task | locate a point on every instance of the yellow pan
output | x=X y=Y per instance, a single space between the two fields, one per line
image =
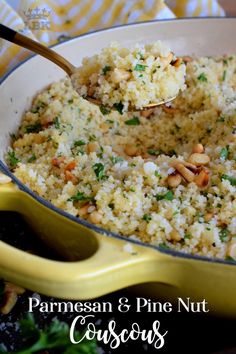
x=101 y=262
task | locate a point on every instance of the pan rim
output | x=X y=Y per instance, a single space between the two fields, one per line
x=99 y=230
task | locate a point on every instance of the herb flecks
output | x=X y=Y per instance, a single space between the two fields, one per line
x=56 y=122
x=232 y=180
x=33 y=128
x=99 y=170
x=119 y=107
x=79 y=143
x=105 y=69
x=223 y=234
x=154 y=152
x=80 y=197
x=104 y=110
x=140 y=67
x=32 y=158
x=202 y=77
x=133 y=121
x=147 y=217
x=13 y=159
x=167 y=196
x=224 y=153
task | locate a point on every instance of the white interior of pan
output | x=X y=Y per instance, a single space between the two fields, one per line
x=185 y=37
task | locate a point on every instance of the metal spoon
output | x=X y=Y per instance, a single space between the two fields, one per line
x=25 y=42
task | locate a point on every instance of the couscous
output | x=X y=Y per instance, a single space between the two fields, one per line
x=166 y=176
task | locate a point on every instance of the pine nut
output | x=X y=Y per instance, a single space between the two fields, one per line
x=83 y=210
x=119 y=75
x=175 y=236
x=10 y=299
x=57 y=161
x=91 y=91
x=47 y=119
x=168 y=109
x=131 y=150
x=208 y=216
x=70 y=166
x=199 y=159
x=177 y=63
x=166 y=60
x=199 y=149
x=174 y=180
x=92 y=147
x=95 y=217
x=14 y=288
x=4 y=179
x=202 y=179
x=185 y=172
x=190 y=166
x=147 y=112
x=70 y=177
x=104 y=127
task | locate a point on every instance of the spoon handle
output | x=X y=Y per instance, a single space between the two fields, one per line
x=23 y=41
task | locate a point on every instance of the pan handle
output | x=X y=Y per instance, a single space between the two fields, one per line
x=115 y=264
x=109 y=269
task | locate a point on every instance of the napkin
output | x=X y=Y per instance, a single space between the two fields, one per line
x=51 y=21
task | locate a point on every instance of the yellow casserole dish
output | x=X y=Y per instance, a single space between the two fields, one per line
x=100 y=261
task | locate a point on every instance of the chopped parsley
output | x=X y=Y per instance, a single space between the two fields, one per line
x=38 y=106
x=167 y=196
x=187 y=236
x=223 y=234
x=221 y=119
x=147 y=217
x=56 y=122
x=157 y=174
x=79 y=197
x=164 y=246
x=155 y=152
x=116 y=159
x=33 y=128
x=140 y=67
x=141 y=56
x=119 y=107
x=105 y=69
x=13 y=137
x=224 y=153
x=13 y=159
x=232 y=180
x=224 y=75
x=79 y=143
x=99 y=170
x=32 y=158
x=54 y=337
x=104 y=110
x=133 y=121
x=202 y=77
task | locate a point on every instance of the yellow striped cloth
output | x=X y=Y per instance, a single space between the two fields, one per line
x=50 y=21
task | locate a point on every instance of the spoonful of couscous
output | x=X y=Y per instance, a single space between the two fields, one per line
x=131 y=79
x=118 y=78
